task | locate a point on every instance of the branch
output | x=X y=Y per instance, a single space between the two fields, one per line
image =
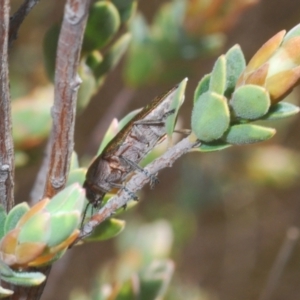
x=17 y=19
x=67 y=83
x=6 y=142
x=138 y=181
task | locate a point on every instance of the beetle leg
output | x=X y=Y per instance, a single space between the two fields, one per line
x=153 y=179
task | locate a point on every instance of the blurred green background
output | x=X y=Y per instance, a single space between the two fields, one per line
x=229 y=211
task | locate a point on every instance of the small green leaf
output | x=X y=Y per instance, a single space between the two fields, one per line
x=210 y=116
x=248 y=134
x=5 y=269
x=61 y=226
x=15 y=215
x=250 y=102
x=5 y=292
x=202 y=87
x=106 y=230
x=214 y=146
x=103 y=23
x=93 y=59
x=281 y=110
x=178 y=99
x=235 y=64
x=35 y=229
x=112 y=56
x=217 y=81
x=294 y=32
x=76 y=176
x=115 y=127
x=3 y=217
x=31 y=119
x=67 y=200
x=25 y=278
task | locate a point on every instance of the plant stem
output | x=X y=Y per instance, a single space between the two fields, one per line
x=6 y=141
x=18 y=18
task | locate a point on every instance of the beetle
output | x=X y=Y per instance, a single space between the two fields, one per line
x=124 y=152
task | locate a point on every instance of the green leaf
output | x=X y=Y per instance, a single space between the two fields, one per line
x=281 y=110
x=25 y=278
x=103 y=23
x=112 y=56
x=61 y=226
x=178 y=98
x=155 y=279
x=214 y=146
x=35 y=229
x=250 y=102
x=5 y=269
x=114 y=127
x=106 y=230
x=76 y=176
x=93 y=59
x=3 y=217
x=15 y=215
x=235 y=65
x=32 y=120
x=202 y=87
x=5 y=292
x=294 y=32
x=248 y=134
x=210 y=117
x=67 y=200
x=217 y=81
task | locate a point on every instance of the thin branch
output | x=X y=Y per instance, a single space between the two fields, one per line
x=6 y=142
x=18 y=18
x=67 y=83
x=138 y=181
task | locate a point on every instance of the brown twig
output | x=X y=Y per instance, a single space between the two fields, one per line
x=19 y=16
x=66 y=86
x=6 y=142
x=63 y=112
x=138 y=181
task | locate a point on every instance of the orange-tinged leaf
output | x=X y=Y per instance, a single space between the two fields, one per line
x=291 y=47
x=35 y=209
x=282 y=83
x=258 y=77
x=9 y=242
x=42 y=260
x=265 y=52
x=26 y=252
x=66 y=243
